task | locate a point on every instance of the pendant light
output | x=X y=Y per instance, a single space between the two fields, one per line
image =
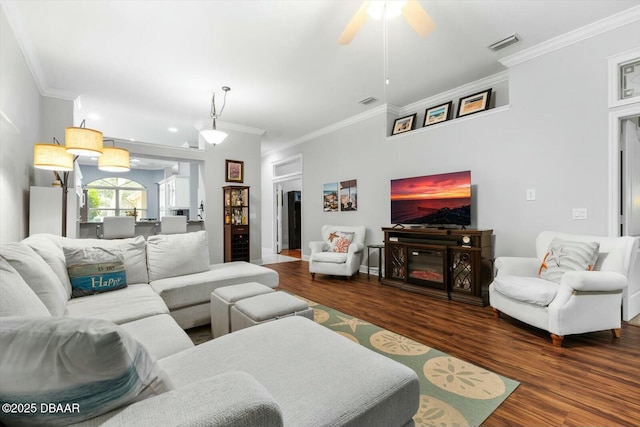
x=214 y=136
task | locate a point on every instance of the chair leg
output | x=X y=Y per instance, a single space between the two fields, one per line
x=616 y=332
x=496 y=312
x=313 y=276
x=556 y=340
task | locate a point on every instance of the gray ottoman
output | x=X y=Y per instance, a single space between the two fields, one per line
x=267 y=307
x=222 y=299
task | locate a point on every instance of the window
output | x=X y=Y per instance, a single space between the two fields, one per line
x=115 y=197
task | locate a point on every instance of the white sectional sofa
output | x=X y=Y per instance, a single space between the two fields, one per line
x=122 y=358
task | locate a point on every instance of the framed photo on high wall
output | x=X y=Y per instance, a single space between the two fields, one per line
x=474 y=103
x=404 y=124
x=235 y=170
x=438 y=114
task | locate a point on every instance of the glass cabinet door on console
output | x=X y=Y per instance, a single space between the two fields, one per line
x=236 y=223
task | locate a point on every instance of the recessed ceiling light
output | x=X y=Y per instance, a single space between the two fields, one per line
x=93 y=116
x=135 y=160
x=132 y=139
x=173 y=129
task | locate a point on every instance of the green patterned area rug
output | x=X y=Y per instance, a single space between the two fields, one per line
x=453 y=392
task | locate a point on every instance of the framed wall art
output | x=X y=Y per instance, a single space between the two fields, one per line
x=474 y=103
x=235 y=170
x=330 y=197
x=438 y=114
x=348 y=195
x=404 y=124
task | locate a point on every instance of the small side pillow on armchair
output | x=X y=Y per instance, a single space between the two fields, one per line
x=339 y=241
x=563 y=256
x=94 y=270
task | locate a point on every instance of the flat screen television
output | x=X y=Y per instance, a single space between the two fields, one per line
x=432 y=200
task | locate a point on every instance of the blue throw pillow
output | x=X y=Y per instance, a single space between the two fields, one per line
x=94 y=270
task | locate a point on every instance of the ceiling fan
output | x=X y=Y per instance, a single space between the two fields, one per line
x=411 y=10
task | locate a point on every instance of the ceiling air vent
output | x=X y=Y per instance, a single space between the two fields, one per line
x=368 y=100
x=507 y=41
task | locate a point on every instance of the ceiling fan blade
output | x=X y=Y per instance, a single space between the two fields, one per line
x=419 y=20
x=354 y=25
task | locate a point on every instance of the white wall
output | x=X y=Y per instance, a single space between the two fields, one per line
x=19 y=130
x=552 y=138
x=238 y=146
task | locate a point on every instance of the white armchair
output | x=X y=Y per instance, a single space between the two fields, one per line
x=326 y=257
x=583 y=301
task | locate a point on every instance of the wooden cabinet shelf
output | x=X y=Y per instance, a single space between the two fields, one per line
x=236 y=223
x=442 y=263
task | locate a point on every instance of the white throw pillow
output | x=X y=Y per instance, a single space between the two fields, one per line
x=339 y=241
x=16 y=297
x=49 y=247
x=171 y=255
x=38 y=275
x=563 y=256
x=89 y=366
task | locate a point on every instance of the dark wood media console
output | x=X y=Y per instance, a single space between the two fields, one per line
x=443 y=263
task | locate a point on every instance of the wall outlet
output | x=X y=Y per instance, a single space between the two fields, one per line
x=579 y=213
x=531 y=194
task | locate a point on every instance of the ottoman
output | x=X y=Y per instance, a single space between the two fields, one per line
x=222 y=299
x=267 y=307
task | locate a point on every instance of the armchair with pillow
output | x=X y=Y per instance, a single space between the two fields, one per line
x=340 y=251
x=573 y=286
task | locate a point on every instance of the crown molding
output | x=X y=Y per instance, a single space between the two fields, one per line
x=60 y=94
x=26 y=45
x=455 y=93
x=607 y=24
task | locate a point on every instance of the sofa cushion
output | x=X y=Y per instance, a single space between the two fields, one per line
x=339 y=241
x=364 y=388
x=160 y=335
x=134 y=251
x=89 y=364
x=532 y=290
x=125 y=305
x=174 y=255
x=196 y=288
x=94 y=270
x=16 y=297
x=49 y=247
x=332 y=257
x=563 y=256
x=38 y=275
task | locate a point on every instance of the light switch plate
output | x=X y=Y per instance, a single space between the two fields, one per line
x=579 y=213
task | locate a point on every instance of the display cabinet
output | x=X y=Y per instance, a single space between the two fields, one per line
x=236 y=223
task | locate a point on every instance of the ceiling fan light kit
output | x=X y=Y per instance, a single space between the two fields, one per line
x=411 y=10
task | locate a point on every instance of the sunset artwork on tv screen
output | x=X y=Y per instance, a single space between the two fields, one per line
x=443 y=199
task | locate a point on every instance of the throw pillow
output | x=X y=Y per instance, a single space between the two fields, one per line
x=89 y=366
x=38 y=275
x=95 y=270
x=563 y=256
x=339 y=241
x=171 y=255
x=134 y=252
x=16 y=297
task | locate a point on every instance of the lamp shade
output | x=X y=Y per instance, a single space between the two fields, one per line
x=114 y=160
x=83 y=142
x=213 y=136
x=52 y=157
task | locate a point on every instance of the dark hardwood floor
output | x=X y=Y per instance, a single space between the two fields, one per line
x=593 y=380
